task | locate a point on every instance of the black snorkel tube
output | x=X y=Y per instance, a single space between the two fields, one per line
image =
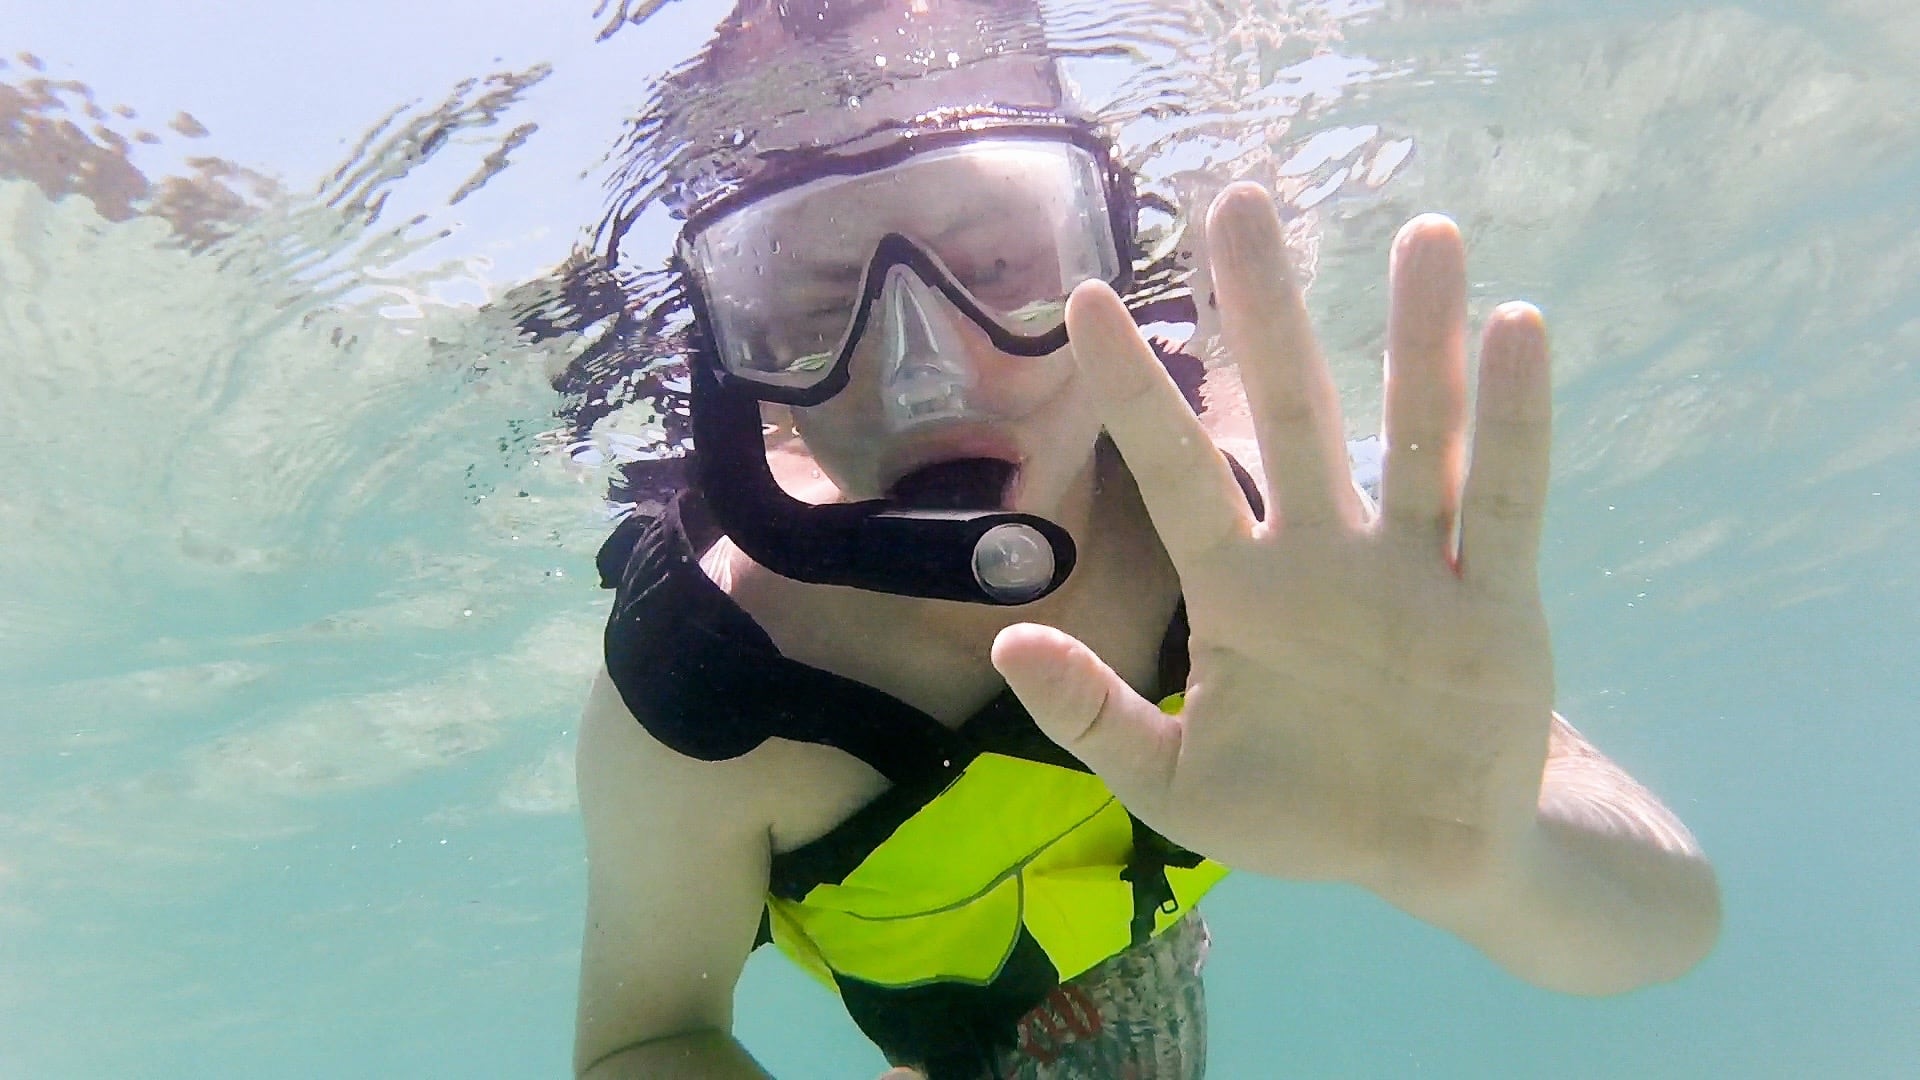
x=975 y=556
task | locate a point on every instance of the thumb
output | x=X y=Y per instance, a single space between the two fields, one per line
x=1080 y=703
x=901 y=1072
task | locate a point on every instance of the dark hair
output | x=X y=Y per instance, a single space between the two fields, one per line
x=745 y=34
x=780 y=75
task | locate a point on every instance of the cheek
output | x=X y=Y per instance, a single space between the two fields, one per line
x=843 y=438
x=1019 y=386
x=1069 y=421
x=1037 y=377
x=1055 y=386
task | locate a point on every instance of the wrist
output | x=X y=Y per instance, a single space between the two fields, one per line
x=1476 y=893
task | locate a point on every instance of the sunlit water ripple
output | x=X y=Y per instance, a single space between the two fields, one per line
x=296 y=606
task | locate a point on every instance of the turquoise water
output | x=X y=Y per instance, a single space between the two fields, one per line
x=296 y=607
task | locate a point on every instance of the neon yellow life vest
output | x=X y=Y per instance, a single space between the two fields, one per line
x=1010 y=844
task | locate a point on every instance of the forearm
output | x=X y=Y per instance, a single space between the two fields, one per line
x=1607 y=892
x=699 y=1055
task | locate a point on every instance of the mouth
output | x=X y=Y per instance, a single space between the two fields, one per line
x=974 y=483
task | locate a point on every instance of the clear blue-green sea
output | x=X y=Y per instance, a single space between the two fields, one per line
x=297 y=603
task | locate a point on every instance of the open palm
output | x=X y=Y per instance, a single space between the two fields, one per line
x=1370 y=694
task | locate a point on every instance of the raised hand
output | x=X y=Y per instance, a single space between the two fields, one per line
x=1371 y=695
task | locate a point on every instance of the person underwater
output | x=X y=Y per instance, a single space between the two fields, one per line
x=967 y=661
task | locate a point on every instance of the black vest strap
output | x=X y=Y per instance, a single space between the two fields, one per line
x=708 y=682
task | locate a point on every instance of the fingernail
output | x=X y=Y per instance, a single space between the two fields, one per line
x=1416 y=241
x=1518 y=313
x=1232 y=218
x=1220 y=230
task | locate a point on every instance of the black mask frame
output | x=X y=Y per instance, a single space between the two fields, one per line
x=897 y=249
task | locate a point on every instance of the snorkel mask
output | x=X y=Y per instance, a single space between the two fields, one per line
x=789 y=279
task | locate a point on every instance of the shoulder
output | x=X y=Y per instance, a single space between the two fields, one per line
x=621 y=768
x=784 y=792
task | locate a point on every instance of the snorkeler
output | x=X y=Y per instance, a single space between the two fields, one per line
x=967 y=662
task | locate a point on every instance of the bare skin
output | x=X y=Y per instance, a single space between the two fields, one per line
x=1368 y=704
x=1370 y=701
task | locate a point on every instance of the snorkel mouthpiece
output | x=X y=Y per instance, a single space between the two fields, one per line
x=976 y=556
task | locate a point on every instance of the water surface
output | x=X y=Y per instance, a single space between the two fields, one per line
x=296 y=607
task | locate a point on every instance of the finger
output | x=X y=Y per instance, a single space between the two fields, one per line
x=1189 y=489
x=1080 y=703
x=1506 y=492
x=1264 y=322
x=1426 y=385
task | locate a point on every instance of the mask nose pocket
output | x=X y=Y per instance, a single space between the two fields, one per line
x=926 y=374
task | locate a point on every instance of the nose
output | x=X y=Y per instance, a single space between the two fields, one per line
x=927 y=372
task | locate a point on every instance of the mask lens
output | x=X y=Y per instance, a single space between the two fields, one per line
x=1014 y=224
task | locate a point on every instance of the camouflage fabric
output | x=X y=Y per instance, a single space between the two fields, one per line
x=1139 y=1016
